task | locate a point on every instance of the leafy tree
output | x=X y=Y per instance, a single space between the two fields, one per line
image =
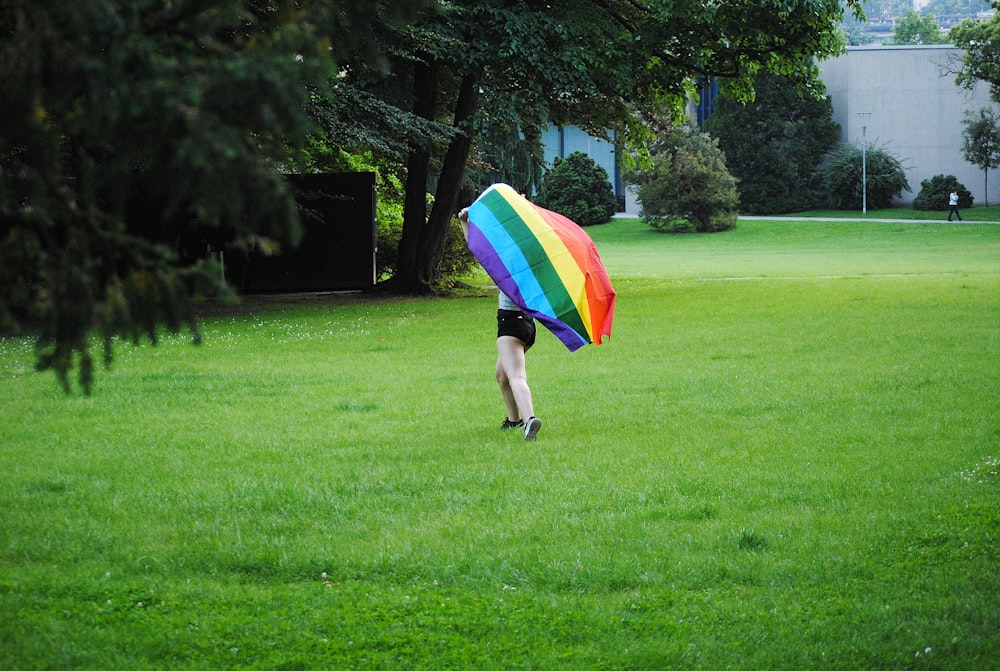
x=775 y=143
x=884 y=180
x=600 y=65
x=955 y=7
x=980 y=45
x=135 y=134
x=687 y=187
x=885 y=9
x=936 y=191
x=578 y=188
x=981 y=142
x=916 y=29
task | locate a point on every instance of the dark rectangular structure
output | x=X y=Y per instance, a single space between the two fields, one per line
x=339 y=240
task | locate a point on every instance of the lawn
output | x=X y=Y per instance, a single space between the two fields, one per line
x=786 y=457
x=989 y=213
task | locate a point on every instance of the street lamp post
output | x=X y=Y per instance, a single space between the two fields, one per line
x=863 y=117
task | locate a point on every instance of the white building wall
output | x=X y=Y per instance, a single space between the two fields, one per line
x=916 y=110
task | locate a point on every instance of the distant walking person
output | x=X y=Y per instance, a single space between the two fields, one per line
x=953 y=206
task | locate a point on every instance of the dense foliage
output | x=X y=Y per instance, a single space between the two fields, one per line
x=688 y=187
x=914 y=28
x=775 y=143
x=980 y=45
x=876 y=176
x=135 y=136
x=936 y=191
x=495 y=68
x=942 y=8
x=578 y=188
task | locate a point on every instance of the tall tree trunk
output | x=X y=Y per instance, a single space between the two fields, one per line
x=435 y=238
x=424 y=238
x=425 y=86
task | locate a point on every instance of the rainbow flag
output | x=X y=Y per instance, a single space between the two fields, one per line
x=545 y=263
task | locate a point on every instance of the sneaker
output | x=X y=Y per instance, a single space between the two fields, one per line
x=531 y=428
x=508 y=424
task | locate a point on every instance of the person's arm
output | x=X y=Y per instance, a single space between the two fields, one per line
x=463 y=216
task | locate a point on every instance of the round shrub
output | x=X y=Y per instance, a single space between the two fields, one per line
x=578 y=188
x=883 y=174
x=935 y=192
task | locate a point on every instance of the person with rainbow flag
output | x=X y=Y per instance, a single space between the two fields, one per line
x=515 y=336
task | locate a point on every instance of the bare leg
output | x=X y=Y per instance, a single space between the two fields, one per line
x=513 y=378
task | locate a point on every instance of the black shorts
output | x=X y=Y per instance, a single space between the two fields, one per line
x=517 y=324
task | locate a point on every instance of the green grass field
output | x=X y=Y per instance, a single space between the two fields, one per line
x=980 y=213
x=786 y=458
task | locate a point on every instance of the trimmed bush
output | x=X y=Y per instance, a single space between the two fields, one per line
x=935 y=192
x=578 y=188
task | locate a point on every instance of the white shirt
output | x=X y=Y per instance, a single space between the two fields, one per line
x=507 y=304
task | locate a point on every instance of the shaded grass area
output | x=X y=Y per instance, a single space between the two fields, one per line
x=795 y=470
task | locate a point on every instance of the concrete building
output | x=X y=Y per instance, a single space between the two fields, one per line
x=905 y=100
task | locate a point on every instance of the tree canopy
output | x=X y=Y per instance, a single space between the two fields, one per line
x=599 y=64
x=980 y=42
x=914 y=28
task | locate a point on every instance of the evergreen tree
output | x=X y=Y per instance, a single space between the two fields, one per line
x=136 y=135
x=687 y=186
x=775 y=143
